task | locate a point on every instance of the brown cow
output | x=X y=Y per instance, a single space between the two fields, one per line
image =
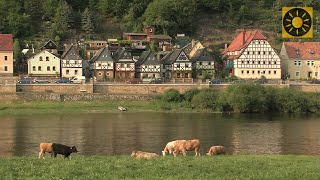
x=182 y=146
x=45 y=147
x=169 y=148
x=216 y=150
x=141 y=154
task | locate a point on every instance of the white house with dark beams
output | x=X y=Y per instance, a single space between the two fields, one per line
x=71 y=63
x=102 y=64
x=148 y=66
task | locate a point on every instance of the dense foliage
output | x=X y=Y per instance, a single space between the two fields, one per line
x=248 y=98
x=57 y=18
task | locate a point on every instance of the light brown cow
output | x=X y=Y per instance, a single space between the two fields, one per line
x=182 y=146
x=169 y=148
x=216 y=150
x=45 y=147
x=141 y=154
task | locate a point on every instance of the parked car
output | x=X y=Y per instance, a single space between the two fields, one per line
x=63 y=81
x=315 y=81
x=260 y=81
x=78 y=80
x=155 y=81
x=26 y=81
x=134 y=81
x=215 y=81
x=238 y=81
x=40 y=80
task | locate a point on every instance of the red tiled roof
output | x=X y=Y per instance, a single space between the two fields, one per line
x=303 y=50
x=243 y=40
x=6 y=42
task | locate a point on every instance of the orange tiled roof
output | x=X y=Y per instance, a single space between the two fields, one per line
x=243 y=40
x=6 y=42
x=302 y=50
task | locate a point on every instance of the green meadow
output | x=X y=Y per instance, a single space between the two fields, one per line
x=124 y=167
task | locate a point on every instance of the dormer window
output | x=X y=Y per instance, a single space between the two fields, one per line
x=311 y=51
x=150 y=30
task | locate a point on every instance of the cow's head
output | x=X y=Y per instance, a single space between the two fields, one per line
x=134 y=154
x=74 y=149
x=164 y=153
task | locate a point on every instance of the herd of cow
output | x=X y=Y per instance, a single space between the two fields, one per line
x=173 y=148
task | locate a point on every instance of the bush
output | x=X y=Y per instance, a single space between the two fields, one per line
x=205 y=99
x=172 y=95
x=190 y=94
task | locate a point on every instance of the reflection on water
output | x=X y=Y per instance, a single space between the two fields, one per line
x=120 y=133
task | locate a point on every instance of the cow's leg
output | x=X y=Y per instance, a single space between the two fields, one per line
x=184 y=152
x=40 y=154
x=54 y=154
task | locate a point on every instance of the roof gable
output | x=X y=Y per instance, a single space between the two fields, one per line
x=102 y=55
x=175 y=55
x=243 y=40
x=202 y=55
x=71 y=53
x=123 y=55
x=302 y=50
x=49 y=45
x=147 y=58
x=6 y=42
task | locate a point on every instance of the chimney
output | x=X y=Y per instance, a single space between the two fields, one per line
x=193 y=42
x=32 y=49
x=225 y=47
x=164 y=48
x=244 y=36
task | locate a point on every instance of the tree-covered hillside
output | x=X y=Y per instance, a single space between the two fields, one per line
x=208 y=20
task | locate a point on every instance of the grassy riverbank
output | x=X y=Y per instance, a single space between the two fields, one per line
x=124 y=167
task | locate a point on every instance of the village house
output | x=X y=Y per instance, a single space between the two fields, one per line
x=251 y=56
x=92 y=47
x=300 y=60
x=176 y=65
x=6 y=54
x=102 y=65
x=148 y=66
x=71 y=63
x=124 y=64
x=50 y=46
x=44 y=63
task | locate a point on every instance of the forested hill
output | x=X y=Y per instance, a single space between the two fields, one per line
x=207 y=20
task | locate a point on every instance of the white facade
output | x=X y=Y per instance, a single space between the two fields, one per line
x=71 y=68
x=44 y=64
x=256 y=60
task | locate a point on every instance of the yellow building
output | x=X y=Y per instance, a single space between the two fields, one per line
x=301 y=60
x=44 y=64
x=6 y=54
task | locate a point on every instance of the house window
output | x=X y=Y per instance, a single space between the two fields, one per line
x=39 y=68
x=209 y=63
x=297 y=74
x=316 y=74
x=154 y=67
x=275 y=62
x=186 y=75
x=258 y=62
x=48 y=68
x=187 y=65
x=248 y=72
x=248 y=62
x=53 y=68
x=178 y=65
x=33 y=68
x=263 y=72
x=178 y=75
x=128 y=74
x=122 y=65
x=153 y=75
x=47 y=58
x=146 y=75
x=75 y=71
x=242 y=62
x=5 y=68
x=109 y=64
x=252 y=62
x=99 y=65
x=75 y=62
x=274 y=72
x=67 y=71
x=200 y=63
x=242 y=72
x=308 y=63
x=5 y=58
x=252 y=72
x=299 y=63
x=312 y=63
x=40 y=58
x=258 y=72
x=108 y=74
x=269 y=72
x=100 y=74
x=295 y=63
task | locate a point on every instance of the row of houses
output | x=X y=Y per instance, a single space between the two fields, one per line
x=248 y=56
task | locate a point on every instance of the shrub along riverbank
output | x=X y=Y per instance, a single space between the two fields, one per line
x=190 y=167
x=245 y=98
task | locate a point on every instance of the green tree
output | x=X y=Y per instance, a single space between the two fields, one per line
x=86 y=21
x=17 y=50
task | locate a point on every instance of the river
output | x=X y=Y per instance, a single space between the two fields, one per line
x=121 y=132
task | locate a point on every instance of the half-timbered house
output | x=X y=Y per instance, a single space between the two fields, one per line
x=203 y=64
x=176 y=65
x=71 y=63
x=251 y=56
x=148 y=66
x=124 y=64
x=102 y=65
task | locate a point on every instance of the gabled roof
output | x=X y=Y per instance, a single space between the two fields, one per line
x=6 y=42
x=102 y=55
x=202 y=55
x=303 y=50
x=122 y=55
x=147 y=58
x=172 y=56
x=243 y=40
x=49 y=45
x=187 y=48
x=71 y=53
x=160 y=36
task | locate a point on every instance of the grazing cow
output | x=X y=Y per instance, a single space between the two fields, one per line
x=62 y=149
x=141 y=154
x=45 y=147
x=169 y=148
x=216 y=150
x=183 y=146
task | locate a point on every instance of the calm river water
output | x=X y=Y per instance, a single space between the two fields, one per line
x=122 y=132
